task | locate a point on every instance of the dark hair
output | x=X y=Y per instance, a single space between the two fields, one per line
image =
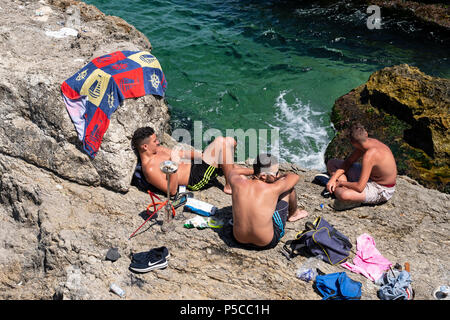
x=140 y=135
x=263 y=161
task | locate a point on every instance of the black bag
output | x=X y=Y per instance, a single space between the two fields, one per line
x=320 y=239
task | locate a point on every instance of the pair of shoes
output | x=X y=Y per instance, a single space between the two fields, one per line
x=150 y=260
x=321 y=179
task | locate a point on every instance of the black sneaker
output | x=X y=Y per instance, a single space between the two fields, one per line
x=143 y=256
x=321 y=179
x=153 y=260
x=327 y=194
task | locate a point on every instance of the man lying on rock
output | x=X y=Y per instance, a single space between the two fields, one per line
x=196 y=170
x=372 y=181
x=262 y=201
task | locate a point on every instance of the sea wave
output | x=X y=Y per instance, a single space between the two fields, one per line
x=303 y=132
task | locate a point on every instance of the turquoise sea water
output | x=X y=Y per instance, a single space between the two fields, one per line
x=273 y=65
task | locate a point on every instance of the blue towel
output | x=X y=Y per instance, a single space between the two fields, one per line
x=338 y=286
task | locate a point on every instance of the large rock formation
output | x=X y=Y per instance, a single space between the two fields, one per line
x=60 y=212
x=410 y=112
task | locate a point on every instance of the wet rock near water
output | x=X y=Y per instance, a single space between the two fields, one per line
x=434 y=13
x=61 y=212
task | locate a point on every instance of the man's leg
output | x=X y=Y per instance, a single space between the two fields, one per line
x=220 y=154
x=348 y=199
x=346 y=194
x=294 y=212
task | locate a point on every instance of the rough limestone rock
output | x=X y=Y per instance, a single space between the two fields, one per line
x=57 y=234
x=59 y=219
x=410 y=112
x=34 y=123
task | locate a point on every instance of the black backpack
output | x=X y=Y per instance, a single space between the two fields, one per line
x=319 y=239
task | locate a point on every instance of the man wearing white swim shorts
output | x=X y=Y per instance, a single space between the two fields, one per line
x=372 y=181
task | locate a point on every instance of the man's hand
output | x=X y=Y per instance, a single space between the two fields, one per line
x=332 y=185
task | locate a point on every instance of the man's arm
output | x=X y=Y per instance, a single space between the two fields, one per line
x=354 y=156
x=241 y=171
x=191 y=154
x=236 y=172
x=367 y=165
x=157 y=178
x=286 y=183
x=177 y=154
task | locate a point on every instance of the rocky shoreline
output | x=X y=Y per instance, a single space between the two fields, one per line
x=60 y=211
x=433 y=13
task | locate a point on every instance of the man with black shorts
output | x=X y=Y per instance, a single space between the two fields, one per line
x=263 y=200
x=196 y=170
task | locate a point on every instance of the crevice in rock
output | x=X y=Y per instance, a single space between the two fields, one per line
x=50 y=171
x=419 y=135
x=41 y=245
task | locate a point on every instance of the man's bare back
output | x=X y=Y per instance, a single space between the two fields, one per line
x=254 y=203
x=384 y=169
x=260 y=203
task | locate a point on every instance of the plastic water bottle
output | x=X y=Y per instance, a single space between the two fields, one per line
x=117 y=290
x=308 y=270
x=307 y=274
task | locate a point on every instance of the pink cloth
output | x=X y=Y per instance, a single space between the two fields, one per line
x=368 y=260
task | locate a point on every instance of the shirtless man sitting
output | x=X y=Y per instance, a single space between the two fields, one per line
x=196 y=170
x=371 y=182
x=262 y=201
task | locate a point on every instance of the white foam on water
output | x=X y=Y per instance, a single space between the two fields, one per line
x=302 y=131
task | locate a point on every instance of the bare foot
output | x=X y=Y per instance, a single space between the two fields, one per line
x=299 y=214
x=227 y=189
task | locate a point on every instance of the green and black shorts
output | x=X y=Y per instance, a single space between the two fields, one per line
x=202 y=176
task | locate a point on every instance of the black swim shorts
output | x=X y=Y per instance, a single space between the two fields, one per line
x=202 y=176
